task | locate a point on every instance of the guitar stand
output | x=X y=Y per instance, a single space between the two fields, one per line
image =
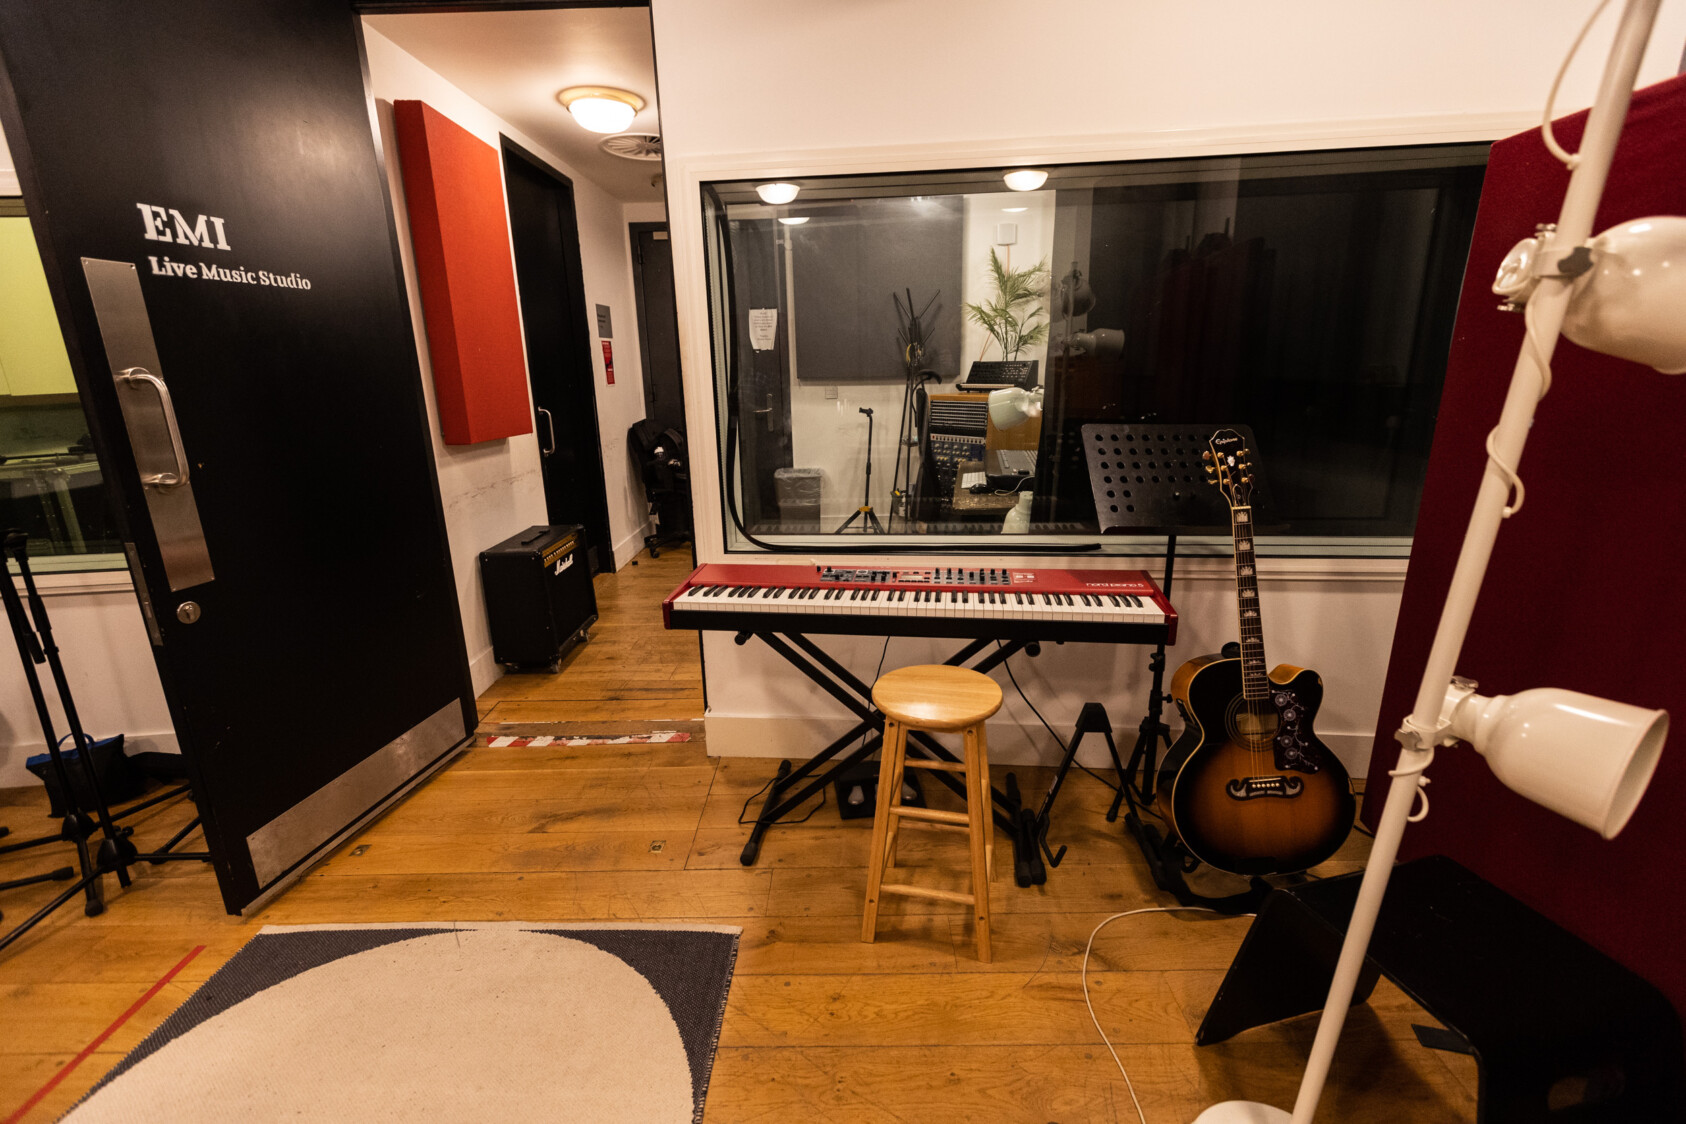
x=1030 y=831
x=790 y=787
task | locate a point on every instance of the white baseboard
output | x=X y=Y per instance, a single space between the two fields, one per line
x=483 y=671
x=630 y=546
x=1010 y=743
x=13 y=774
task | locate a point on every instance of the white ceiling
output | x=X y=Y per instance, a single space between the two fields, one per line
x=515 y=62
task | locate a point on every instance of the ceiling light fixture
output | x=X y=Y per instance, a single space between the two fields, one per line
x=777 y=194
x=1026 y=179
x=602 y=109
x=797 y=221
x=1014 y=210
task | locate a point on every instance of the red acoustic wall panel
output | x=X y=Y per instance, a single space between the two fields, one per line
x=454 y=190
x=1585 y=589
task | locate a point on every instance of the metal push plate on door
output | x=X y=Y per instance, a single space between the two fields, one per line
x=149 y=416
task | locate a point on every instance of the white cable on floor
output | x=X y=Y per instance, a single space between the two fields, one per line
x=1128 y=1084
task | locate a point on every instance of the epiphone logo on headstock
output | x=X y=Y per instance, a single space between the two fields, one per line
x=1226 y=441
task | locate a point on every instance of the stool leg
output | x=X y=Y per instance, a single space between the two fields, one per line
x=895 y=737
x=898 y=777
x=978 y=817
x=986 y=794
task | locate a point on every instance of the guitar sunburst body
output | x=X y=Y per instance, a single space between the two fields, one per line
x=1253 y=790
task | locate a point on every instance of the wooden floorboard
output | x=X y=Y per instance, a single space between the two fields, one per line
x=819 y=1025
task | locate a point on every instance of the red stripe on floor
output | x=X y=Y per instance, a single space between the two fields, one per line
x=41 y=1093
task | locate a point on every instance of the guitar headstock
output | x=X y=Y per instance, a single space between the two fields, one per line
x=1229 y=466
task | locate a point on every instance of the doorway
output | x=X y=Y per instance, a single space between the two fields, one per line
x=658 y=324
x=546 y=236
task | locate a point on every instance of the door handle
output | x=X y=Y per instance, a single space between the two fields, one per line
x=768 y=411
x=550 y=425
x=133 y=375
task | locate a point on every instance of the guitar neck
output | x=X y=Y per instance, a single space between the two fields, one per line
x=1255 y=684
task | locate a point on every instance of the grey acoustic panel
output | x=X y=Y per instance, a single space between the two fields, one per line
x=846 y=267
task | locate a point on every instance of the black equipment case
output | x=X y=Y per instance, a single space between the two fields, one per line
x=539 y=600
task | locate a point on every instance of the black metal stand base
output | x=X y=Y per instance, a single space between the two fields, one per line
x=1030 y=834
x=1170 y=863
x=792 y=786
x=33 y=634
x=872 y=524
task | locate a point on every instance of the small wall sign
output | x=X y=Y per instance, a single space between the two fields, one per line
x=609 y=361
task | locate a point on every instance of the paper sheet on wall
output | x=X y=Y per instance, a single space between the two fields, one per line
x=763 y=328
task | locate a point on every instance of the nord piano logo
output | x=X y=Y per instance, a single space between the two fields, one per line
x=172 y=226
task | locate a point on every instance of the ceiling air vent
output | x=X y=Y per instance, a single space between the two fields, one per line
x=634 y=146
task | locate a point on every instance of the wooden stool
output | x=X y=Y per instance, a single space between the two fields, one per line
x=934 y=697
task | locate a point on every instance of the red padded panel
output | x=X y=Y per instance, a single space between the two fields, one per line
x=453 y=187
x=1584 y=589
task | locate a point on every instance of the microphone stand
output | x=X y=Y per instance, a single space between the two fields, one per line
x=77 y=826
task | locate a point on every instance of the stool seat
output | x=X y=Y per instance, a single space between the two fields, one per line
x=936 y=697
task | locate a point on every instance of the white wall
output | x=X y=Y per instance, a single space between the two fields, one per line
x=984 y=214
x=764 y=88
x=101 y=637
x=494 y=489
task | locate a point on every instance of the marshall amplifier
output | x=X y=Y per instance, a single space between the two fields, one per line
x=539 y=600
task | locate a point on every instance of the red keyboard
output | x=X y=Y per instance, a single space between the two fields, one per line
x=1099 y=606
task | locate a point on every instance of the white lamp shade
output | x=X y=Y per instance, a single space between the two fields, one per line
x=1014 y=405
x=777 y=194
x=1632 y=302
x=1586 y=758
x=1026 y=179
x=1243 y=1112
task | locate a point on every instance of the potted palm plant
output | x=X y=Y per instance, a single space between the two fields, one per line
x=1010 y=316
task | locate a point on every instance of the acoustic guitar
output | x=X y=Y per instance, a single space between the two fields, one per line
x=1253 y=790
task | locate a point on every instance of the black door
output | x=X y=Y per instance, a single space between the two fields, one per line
x=762 y=282
x=547 y=271
x=658 y=325
x=220 y=245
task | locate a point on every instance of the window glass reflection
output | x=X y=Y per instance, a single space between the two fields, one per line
x=1308 y=296
x=50 y=483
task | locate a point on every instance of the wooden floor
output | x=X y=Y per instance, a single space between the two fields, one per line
x=820 y=1026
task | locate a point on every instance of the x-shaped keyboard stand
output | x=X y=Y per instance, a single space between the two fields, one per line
x=784 y=795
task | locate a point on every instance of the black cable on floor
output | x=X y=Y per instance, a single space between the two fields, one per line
x=745 y=809
x=764 y=788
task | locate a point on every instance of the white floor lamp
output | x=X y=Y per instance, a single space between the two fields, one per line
x=1583 y=757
